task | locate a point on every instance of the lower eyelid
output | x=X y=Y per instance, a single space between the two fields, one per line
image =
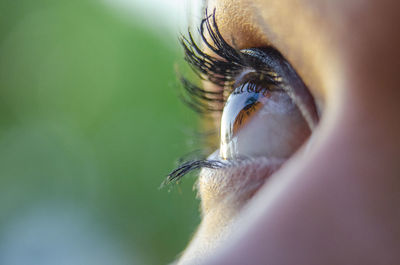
x=236 y=183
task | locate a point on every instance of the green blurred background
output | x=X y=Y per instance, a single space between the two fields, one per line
x=89 y=126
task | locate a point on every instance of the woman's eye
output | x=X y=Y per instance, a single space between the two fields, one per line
x=269 y=111
x=262 y=117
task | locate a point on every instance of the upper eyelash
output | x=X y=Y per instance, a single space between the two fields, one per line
x=221 y=72
x=216 y=70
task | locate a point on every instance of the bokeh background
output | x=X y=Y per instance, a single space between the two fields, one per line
x=90 y=124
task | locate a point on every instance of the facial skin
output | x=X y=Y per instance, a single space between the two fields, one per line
x=336 y=201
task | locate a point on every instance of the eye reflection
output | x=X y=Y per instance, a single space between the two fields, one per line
x=258 y=121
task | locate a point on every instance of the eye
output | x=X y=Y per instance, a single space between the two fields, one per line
x=260 y=118
x=266 y=109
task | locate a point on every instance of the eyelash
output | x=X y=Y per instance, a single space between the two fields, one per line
x=189 y=166
x=221 y=72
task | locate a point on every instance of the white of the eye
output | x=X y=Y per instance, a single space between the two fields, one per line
x=276 y=130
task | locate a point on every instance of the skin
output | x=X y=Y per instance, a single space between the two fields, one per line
x=336 y=201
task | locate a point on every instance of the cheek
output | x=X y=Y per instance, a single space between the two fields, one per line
x=212 y=232
x=224 y=193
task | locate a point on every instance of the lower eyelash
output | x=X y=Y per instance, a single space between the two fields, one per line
x=190 y=166
x=176 y=175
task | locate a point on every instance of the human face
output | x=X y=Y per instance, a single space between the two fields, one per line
x=336 y=200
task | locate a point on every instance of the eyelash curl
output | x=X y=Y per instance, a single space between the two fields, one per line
x=221 y=69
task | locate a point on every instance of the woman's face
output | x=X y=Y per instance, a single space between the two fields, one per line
x=336 y=198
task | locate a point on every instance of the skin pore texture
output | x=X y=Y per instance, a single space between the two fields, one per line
x=335 y=201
